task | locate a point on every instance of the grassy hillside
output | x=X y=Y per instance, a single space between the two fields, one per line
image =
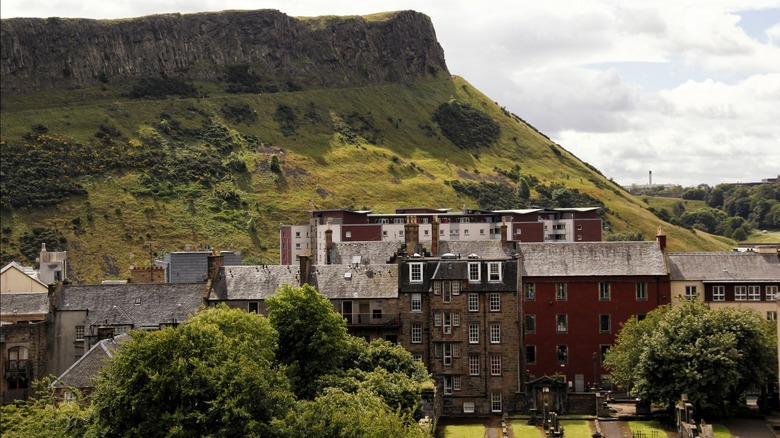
x=226 y=169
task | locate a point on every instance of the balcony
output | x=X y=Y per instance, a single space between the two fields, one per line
x=372 y=319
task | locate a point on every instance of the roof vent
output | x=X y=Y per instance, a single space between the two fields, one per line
x=449 y=256
x=347 y=275
x=473 y=256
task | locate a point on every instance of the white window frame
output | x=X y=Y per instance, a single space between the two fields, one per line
x=494 y=272
x=456 y=319
x=437 y=287
x=79 y=332
x=754 y=293
x=447 y=328
x=456 y=383
x=690 y=292
x=447 y=384
x=416 y=304
x=416 y=334
x=468 y=407
x=495 y=302
x=718 y=293
x=532 y=317
x=641 y=291
x=771 y=315
x=416 y=272
x=455 y=284
x=740 y=293
x=562 y=348
x=495 y=402
x=473 y=364
x=475 y=272
x=473 y=302
x=771 y=293
x=561 y=323
x=560 y=292
x=530 y=292
x=495 y=333
x=605 y=293
x=495 y=365
x=437 y=319
x=473 y=333
x=446 y=294
x=447 y=355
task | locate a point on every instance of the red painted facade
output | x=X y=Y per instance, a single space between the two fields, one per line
x=361 y=233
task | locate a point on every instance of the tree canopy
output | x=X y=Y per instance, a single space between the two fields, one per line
x=712 y=355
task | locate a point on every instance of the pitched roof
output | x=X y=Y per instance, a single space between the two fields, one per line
x=486 y=249
x=592 y=259
x=82 y=373
x=724 y=266
x=24 y=303
x=371 y=252
x=333 y=281
x=142 y=305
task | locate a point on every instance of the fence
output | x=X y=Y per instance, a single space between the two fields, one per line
x=651 y=434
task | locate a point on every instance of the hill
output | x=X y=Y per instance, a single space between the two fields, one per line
x=119 y=170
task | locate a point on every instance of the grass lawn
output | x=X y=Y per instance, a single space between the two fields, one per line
x=721 y=431
x=647 y=427
x=464 y=431
x=576 y=428
x=520 y=428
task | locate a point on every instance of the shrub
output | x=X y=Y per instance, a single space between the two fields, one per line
x=466 y=126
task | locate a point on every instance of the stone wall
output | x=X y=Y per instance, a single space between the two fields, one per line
x=31 y=336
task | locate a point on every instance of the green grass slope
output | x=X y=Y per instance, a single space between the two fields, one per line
x=226 y=169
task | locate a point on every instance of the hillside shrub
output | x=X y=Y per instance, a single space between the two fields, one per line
x=160 y=88
x=466 y=126
x=287 y=119
x=239 y=113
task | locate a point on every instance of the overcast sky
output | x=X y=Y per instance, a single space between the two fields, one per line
x=689 y=89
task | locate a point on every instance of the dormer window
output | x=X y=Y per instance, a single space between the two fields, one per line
x=474 y=272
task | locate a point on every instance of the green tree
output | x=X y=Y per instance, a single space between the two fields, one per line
x=313 y=338
x=712 y=355
x=212 y=376
x=337 y=413
x=45 y=415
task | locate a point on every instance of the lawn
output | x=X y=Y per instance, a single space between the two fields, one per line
x=520 y=428
x=576 y=428
x=464 y=431
x=647 y=428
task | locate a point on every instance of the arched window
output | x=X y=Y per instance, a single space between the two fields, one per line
x=16 y=368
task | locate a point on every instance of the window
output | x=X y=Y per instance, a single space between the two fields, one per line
x=79 y=332
x=349 y=234
x=455 y=287
x=437 y=287
x=474 y=274
x=563 y=354
x=530 y=323
x=456 y=319
x=771 y=315
x=740 y=293
x=417 y=357
x=376 y=314
x=415 y=272
x=561 y=323
x=473 y=302
x=530 y=354
x=473 y=333
x=494 y=271
x=495 y=333
x=495 y=302
x=16 y=368
x=473 y=364
x=446 y=294
x=448 y=384
x=771 y=292
x=297 y=234
x=754 y=293
x=447 y=354
x=605 y=323
x=437 y=319
x=437 y=350
x=455 y=350
x=468 y=407
x=604 y=293
x=456 y=383
x=253 y=307
x=495 y=365
x=530 y=292
x=604 y=350
x=690 y=292
x=641 y=291
x=560 y=291
x=466 y=232
x=416 y=302
x=447 y=323
x=718 y=293
x=495 y=402
x=416 y=333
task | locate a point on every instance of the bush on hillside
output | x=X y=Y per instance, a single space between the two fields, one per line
x=466 y=126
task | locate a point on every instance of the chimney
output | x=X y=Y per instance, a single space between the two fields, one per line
x=503 y=230
x=661 y=238
x=215 y=262
x=435 y=236
x=411 y=234
x=328 y=244
x=650 y=178
x=305 y=268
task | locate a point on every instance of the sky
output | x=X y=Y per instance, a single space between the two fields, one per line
x=687 y=89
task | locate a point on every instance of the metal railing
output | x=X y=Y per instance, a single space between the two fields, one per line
x=371 y=319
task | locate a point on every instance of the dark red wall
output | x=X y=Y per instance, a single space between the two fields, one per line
x=364 y=233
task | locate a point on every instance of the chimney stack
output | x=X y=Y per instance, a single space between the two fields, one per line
x=305 y=268
x=411 y=234
x=435 y=236
x=650 y=176
x=328 y=244
x=503 y=230
x=661 y=238
x=215 y=262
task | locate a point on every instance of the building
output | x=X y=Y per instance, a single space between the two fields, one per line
x=190 y=266
x=746 y=280
x=575 y=298
x=327 y=227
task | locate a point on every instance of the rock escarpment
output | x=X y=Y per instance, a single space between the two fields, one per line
x=395 y=47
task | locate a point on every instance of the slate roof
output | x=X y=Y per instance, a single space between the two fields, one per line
x=261 y=282
x=24 y=303
x=592 y=259
x=142 y=305
x=82 y=373
x=485 y=249
x=724 y=267
x=371 y=252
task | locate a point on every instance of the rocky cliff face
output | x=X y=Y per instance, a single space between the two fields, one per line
x=324 y=51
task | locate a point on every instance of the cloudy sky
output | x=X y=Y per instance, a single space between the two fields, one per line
x=689 y=89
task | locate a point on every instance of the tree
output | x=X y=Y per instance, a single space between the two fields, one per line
x=214 y=375
x=313 y=338
x=338 y=413
x=45 y=415
x=713 y=356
